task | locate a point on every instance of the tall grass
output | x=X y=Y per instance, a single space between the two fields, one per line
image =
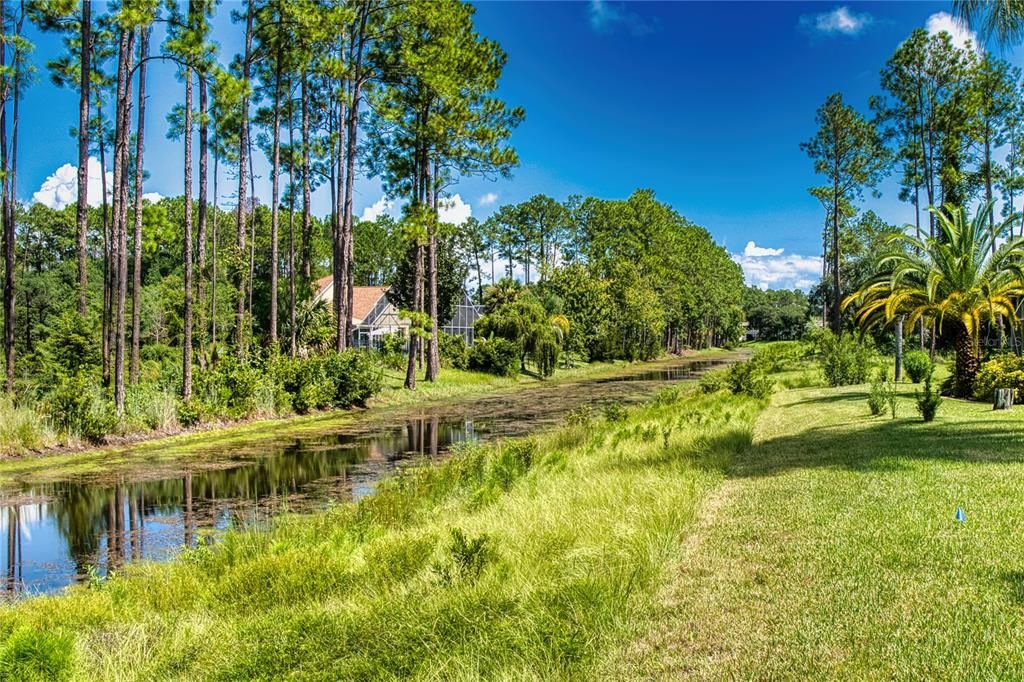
x=23 y=429
x=530 y=558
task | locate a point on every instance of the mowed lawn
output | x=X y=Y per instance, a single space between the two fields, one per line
x=832 y=550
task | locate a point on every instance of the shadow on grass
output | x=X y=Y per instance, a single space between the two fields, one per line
x=1015 y=585
x=887 y=445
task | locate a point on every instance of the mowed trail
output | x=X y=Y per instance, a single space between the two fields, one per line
x=832 y=550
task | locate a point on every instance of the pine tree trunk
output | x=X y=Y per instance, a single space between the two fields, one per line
x=108 y=255
x=293 y=337
x=243 y=150
x=133 y=371
x=125 y=61
x=307 y=230
x=275 y=200
x=356 y=45
x=186 y=342
x=200 y=272
x=82 y=208
x=338 y=242
x=433 y=353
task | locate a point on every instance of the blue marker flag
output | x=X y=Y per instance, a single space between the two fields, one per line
x=960 y=516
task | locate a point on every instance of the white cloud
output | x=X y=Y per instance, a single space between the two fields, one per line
x=840 y=20
x=61 y=187
x=754 y=251
x=487 y=199
x=152 y=197
x=944 y=22
x=379 y=207
x=454 y=210
x=769 y=268
x=606 y=17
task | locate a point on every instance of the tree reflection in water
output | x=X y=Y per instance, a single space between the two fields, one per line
x=58 y=531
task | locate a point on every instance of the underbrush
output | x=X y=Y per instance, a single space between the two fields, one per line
x=526 y=558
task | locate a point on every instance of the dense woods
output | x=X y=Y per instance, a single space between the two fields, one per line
x=122 y=313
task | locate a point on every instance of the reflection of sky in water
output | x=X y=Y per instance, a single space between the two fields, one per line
x=50 y=535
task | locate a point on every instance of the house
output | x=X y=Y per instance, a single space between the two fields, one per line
x=373 y=315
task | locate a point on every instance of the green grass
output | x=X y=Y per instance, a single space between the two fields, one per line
x=832 y=550
x=697 y=537
x=526 y=559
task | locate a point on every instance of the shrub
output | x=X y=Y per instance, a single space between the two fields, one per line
x=393 y=352
x=1003 y=371
x=748 y=378
x=453 y=349
x=844 y=360
x=877 y=395
x=496 y=356
x=77 y=407
x=330 y=380
x=918 y=365
x=713 y=382
x=148 y=407
x=615 y=412
x=928 y=401
x=780 y=355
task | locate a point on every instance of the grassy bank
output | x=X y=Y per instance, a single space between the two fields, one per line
x=213 y=440
x=832 y=550
x=528 y=559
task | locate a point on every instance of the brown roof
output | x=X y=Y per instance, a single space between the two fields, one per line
x=363 y=298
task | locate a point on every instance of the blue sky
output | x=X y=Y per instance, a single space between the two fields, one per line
x=705 y=103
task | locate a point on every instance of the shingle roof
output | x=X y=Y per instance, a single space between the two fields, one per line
x=363 y=298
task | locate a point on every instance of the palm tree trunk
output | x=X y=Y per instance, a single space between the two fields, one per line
x=967 y=363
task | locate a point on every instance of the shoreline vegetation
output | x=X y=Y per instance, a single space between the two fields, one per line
x=452 y=569
x=758 y=521
x=58 y=462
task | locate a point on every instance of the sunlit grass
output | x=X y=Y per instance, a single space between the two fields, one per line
x=564 y=539
x=832 y=550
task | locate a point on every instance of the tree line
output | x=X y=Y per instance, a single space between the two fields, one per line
x=948 y=120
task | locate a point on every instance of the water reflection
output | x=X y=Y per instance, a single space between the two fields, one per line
x=57 y=533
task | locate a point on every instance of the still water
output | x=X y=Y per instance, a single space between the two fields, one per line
x=56 y=533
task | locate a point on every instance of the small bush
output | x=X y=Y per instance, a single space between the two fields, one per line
x=713 y=382
x=580 y=416
x=877 y=399
x=77 y=407
x=467 y=558
x=844 y=360
x=453 y=349
x=614 y=412
x=780 y=355
x=148 y=407
x=928 y=401
x=495 y=356
x=1004 y=371
x=748 y=378
x=917 y=365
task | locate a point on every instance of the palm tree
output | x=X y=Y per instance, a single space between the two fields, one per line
x=1001 y=19
x=955 y=277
